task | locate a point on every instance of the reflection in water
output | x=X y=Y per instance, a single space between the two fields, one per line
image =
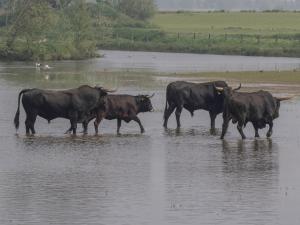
x=262 y=154
x=188 y=132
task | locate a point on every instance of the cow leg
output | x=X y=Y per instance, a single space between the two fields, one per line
x=212 y=122
x=178 y=113
x=256 y=129
x=167 y=114
x=73 y=121
x=33 y=119
x=85 y=127
x=119 y=125
x=270 y=131
x=136 y=119
x=226 y=120
x=240 y=129
x=97 y=121
x=29 y=123
x=73 y=126
x=96 y=125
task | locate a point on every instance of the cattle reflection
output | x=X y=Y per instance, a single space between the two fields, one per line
x=254 y=155
x=188 y=132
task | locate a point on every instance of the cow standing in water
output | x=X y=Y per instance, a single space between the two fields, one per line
x=260 y=108
x=193 y=96
x=121 y=107
x=73 y=104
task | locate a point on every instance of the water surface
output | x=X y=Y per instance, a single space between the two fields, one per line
x=161 y=177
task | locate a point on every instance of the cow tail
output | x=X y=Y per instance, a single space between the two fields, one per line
x=16 y=119
x=166 y=105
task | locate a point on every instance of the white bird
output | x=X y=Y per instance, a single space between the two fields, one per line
x=46 y=67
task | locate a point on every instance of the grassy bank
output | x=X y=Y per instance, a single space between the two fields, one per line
x=232 y=33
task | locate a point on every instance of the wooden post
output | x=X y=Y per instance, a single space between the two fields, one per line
x=194 y=35
x=178 y=36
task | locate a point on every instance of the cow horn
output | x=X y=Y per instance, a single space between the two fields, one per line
x=108 y=90
x=284 y=98
x=218 y=88
x=148 y=96
x=238 y=88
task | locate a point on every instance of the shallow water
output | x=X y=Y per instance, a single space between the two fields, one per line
x=160 y=177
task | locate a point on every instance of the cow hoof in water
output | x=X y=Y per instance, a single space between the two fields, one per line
x=213 y=131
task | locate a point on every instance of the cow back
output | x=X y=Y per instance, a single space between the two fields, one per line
x=195 y=96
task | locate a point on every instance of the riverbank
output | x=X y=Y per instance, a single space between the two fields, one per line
x=227 y=33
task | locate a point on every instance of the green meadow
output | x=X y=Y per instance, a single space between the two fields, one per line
x=229 y=22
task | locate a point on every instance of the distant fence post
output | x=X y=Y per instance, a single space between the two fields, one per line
x=194 y=35
x=258 y=39
x=209 y=36
x=241 y=38
x=178 y=36
x=225 y=36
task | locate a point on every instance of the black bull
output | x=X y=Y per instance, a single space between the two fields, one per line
x=121 y=107
x=193 y=96
x=73 y=104
x=260 y=108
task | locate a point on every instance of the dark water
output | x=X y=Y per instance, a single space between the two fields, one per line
x=160 y=177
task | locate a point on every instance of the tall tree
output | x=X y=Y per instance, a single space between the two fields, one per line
x=31 y=22
x=81 y=26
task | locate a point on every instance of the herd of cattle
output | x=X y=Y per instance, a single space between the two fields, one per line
x=85 y=103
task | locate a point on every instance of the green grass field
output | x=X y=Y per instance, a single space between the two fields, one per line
x=230 y=22
x=226 y=33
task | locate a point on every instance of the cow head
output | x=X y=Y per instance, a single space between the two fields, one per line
x=227 y=91
x=144 y=103
x=102 y=92
x=278 y=100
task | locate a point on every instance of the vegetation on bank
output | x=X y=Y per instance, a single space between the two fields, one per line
x=75 y=29
x=64 y=29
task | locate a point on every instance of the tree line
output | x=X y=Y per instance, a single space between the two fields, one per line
x=61 y=29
